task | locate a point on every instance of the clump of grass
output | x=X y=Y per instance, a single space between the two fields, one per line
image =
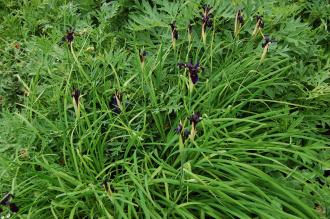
x=107 y=126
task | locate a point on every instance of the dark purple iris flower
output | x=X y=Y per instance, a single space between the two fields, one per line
x=240 y=17
x=106 y=185
x=13 y=207
x=190 y=28
x=76 y=94
x=143 y=55
x=178 y=130
x=194 y=77
x=175 y=33
x=186 y=133
x=195 y=118
x=115 y=103
x=326 y=173
x=69 y=36
x=6 y=199
x=260 y=21
x=183 y=132
x=206 y=16
x=266 y=42
x=193 y=70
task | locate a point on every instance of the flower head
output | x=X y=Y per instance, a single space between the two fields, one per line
x=206 y=20
x=76 y=95
x=175 y=34
x=186 y=133
x=142 y=55
x=239 y=21
x=178 y=130
x=265 y=45
x=259 y=25
x=206 y=16
x=75 y=100
x=106 y=186
x=240 y=17
x=260 y=21
x=326 y=173
x=193 y=70
x=115 y=103
x=13 y=207
x=69 y=36
x=195 y=118
x=6 y=199
x=190 y=25
x=267 y=41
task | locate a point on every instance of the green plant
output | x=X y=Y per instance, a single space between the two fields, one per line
x=258 y=149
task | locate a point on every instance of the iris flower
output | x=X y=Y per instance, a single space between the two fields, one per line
x=193 y=70
x=179 y=129
x=206 y=20
x=239 y=21
x=107 y=187
x=13 y=207
x=175 y=34
x=6 y=199
x=184 y=133
x=69 y=36
x=265 y=45
x=75 y=100
x=260 y=21
x=115 y=103
x=259 y=25
x=190 y=31
x=142 y=55
x=194 y=119
x=326 y=173
x=266 y=42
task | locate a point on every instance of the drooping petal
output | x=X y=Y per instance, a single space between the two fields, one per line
x=195 y=118
x=197 y=66
x=194 y=77
x=186 y=133
x=178 y=130
x=13 y=207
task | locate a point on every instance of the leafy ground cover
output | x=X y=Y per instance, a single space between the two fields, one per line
x=164 y=109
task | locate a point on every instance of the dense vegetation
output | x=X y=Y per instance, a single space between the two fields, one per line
x=164 y=109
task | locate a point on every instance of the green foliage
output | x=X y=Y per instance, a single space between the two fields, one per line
x=261 y=149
